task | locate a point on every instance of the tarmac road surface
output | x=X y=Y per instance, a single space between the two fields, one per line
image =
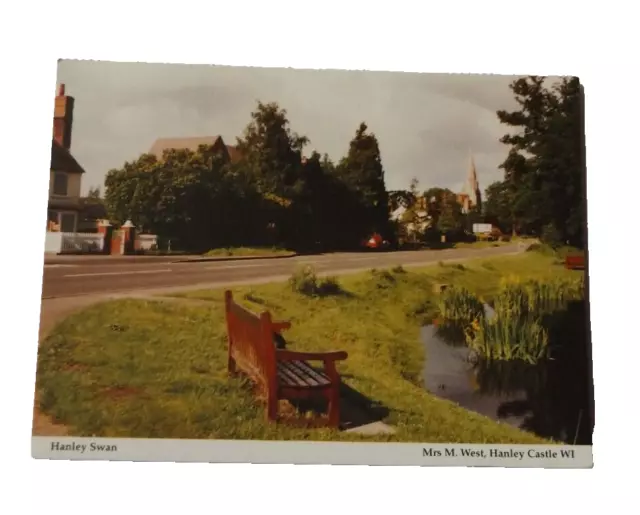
x=82 y=277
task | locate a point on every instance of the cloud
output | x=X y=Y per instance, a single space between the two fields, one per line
x=427 y=125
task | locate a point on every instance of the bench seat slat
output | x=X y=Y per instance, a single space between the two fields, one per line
x=304 y=368
x=298 y=374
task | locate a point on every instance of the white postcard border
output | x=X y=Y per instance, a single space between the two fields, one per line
x=312 y=453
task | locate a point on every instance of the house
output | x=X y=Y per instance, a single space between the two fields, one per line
x=65 y=177
x=160 y=145
x=414 y=220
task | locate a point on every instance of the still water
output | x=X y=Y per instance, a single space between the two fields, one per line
x=553 y=399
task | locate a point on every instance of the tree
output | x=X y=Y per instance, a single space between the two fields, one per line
x=498 y=207
x=196 y=198
x=443 y=201
x=271 y=152
x=545 y=170
x=363 y=174
x=94 y=193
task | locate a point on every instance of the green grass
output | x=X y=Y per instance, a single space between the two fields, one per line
x=248 y=252
x=161 y=370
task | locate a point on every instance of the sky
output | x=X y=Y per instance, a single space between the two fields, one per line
x=428 y=125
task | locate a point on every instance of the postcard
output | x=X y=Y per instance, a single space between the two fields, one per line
x=315 y=266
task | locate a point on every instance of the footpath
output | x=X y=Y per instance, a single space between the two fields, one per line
x=84 y=259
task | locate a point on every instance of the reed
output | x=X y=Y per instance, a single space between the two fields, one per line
x=507 y=338
x=517 y=331
x=458 y=308
x=459 y=305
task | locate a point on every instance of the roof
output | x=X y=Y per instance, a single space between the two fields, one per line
x=234 y=153
x=61 y=159
x=163 y=144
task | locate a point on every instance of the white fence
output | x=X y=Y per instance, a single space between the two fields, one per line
x=82 y=242
x=87 y=243
x=73 y=242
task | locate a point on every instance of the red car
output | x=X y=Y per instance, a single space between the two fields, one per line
x=376 y=242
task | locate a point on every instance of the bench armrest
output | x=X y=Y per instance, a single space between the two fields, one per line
x=292 y=355
x=280 y=326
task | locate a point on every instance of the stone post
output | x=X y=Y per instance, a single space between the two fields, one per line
x=128 y=237
x=106 y=229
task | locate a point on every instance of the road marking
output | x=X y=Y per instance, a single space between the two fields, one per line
x=222 y=267
x=97 y=274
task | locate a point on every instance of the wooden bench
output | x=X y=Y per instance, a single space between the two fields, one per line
x=574 y=262
x=279 y=373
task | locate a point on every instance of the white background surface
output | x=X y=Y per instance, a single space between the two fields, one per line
x=592 y=40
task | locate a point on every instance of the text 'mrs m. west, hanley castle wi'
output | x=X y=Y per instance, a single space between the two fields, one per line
x=499 y=453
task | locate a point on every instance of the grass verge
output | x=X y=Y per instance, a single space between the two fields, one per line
x=248 y=252
x=137 y=368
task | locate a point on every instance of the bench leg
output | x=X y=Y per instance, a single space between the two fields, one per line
x=231 y=366
x=334 y=406
x=272 y=408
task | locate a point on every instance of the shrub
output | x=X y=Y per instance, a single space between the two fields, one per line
x=304 y=281
x=382 y=279
x=329 y=286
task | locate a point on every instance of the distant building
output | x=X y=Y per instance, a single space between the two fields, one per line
x=414 y=220
x=470 y=197
x=65 y=173
x=160 y=145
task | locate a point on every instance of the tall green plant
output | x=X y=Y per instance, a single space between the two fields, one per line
x=507 y=338
x=460 y=306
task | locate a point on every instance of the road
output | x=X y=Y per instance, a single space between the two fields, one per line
x=82 y=278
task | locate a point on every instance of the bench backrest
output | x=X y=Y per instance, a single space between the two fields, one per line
x=251 y=341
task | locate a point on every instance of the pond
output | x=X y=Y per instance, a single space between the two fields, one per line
x=553 y=399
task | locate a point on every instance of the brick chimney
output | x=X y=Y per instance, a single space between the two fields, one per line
x=63 y=118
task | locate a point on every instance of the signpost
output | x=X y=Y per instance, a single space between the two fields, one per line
x=482 y=228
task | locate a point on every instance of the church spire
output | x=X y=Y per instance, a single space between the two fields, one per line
x=473 y=187
x=473 y=176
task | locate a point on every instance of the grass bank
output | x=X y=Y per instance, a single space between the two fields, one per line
x=248 y=252
x=140 y=368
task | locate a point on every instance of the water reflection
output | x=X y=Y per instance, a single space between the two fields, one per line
x=552 y=399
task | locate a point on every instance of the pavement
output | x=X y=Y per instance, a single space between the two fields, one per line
x=72 y=284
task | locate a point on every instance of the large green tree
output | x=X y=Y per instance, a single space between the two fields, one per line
x=498 y=207
x=362 y=172
x=271 y=152
x=545 y=169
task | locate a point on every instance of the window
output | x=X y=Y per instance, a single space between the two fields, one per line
x=67 y=222
x=60 y=183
